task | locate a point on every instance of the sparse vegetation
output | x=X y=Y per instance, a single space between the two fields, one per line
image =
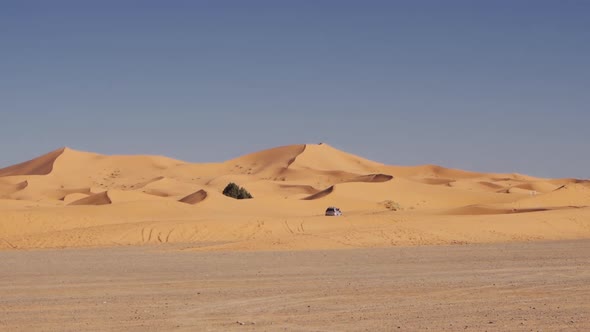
x=235 y=191
x=391 y=205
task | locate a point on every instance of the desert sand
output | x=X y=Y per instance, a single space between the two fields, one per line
x=69 y=198
x=147 y=243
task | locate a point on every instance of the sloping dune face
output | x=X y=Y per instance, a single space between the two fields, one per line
x=74 y=197
x=326 y=158
x=272 y=162
x=96 y=199
x=195 y=197
x=70 y=198
x=372 y=178
x=320 y=194
x=9 y=187
x=39 y=166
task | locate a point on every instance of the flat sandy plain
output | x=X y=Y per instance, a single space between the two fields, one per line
x=539 y=286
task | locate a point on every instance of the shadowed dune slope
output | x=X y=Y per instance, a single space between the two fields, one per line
x=299 y=188
x=195 y=197
x=96 y=199
x=117 y=196
x=75 y=197
x=320 y=194
x=373 y=178
x=42 y=165
x=485 y=210
x=436 y=181
x=8 y=187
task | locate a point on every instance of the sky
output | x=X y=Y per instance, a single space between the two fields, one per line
x=491 y=86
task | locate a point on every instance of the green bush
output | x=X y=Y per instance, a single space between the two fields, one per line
x=235 y=191
x=244 y=194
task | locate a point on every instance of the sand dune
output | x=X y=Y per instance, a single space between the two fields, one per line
x=321 y=163
x=408 y=194
x=271 y=162
x=326 y=158
x=569 y=195
x=70 y=198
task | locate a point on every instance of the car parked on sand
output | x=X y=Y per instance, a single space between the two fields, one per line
x=333 y=211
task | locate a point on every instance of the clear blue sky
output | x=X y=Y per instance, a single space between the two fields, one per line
x=481 y=85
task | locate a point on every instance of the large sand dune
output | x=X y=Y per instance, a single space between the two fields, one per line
x=69 y=198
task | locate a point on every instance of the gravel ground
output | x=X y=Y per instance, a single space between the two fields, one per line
x=498 y=287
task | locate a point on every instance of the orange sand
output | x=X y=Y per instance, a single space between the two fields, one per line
x=68 y=198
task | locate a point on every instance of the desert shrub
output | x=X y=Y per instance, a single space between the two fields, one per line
x=244 y=194
x=235 y=191
x=231 y=190
x=391 y=205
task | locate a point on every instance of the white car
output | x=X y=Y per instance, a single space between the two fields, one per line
x=333 y=211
